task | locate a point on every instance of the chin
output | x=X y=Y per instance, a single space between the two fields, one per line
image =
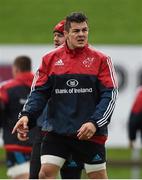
x=81 y=45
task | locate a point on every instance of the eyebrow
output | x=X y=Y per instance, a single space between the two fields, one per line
x=85 y=28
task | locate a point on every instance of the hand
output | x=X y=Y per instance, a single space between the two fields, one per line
x=21 y=126
x=22 y=137
x=86 y=131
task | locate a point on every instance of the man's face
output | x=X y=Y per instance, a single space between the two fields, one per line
x=77 y=37
x=58 y=39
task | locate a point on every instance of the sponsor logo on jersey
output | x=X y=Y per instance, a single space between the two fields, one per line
x=74 y=91
x=59 y=62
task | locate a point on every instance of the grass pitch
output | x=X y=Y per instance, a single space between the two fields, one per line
x=32 y=21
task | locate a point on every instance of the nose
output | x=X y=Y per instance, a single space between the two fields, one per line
x=55 y=38
x=81 y=33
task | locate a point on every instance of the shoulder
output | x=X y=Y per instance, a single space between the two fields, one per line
x=8 y=84
x=97 y=53
x=52 y=53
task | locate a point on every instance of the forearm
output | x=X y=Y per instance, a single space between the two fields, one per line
x=34 y=106
x=104 y=108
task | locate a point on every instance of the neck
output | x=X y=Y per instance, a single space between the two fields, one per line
x=69 y=45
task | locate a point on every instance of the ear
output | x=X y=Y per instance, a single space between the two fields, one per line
x=15 y=70
x=66 y=33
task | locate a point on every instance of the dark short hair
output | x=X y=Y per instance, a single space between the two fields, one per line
x=23 y=63
x=77 y=17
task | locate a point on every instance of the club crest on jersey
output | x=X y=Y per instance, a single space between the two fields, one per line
x=88 y=62
x=72 y=82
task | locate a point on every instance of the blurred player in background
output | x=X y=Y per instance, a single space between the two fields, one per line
x=135 y=119
x=71 y=169
x=13 y=95
x=58 y=34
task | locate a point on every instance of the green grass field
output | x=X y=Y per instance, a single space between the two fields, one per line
x=32 y=21
x=114 y=171
x=2 y=165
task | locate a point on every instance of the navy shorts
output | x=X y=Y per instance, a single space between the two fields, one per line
x=67 y=146
x=70 y=170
